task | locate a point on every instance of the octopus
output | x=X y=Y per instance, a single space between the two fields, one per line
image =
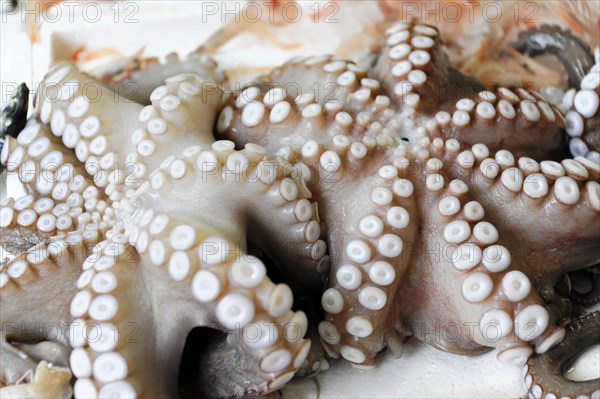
x=195 y=241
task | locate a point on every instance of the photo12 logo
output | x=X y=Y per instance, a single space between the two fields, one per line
x=271 y=11
x=70 y=11
x=471 y=11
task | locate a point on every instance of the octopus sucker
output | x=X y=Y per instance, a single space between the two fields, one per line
x=240 y=238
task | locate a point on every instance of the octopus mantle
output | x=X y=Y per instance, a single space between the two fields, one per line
x=387 y=203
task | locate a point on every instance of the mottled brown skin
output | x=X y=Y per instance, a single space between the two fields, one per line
x=561 y=234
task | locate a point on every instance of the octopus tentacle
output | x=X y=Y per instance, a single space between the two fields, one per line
x=131 y=139
x=581 y=106
x=284 y=226
x=335 y=84
x=46 y=168
x=544 y=374
x=465 y=253
x=201 y=258
x=412 y=66
x=324 y=79
x=36 y=270
x=108 y=333
x=334 y=148
x=103 y=322
x=572 y=52
x=216 y=171
x=90 y=119
x=567 y=193
x=371 y=259
x=362 y=116
x=137 y=81
x=490 y=116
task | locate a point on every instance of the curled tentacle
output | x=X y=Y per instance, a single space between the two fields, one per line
x=572 y=52
x=544 y=373
x=585 y=287
x=140 y=77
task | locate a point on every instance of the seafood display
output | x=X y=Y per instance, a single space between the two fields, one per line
x=194 y=239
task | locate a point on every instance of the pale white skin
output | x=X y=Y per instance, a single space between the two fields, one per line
x=175 y=238
x=387 y=208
